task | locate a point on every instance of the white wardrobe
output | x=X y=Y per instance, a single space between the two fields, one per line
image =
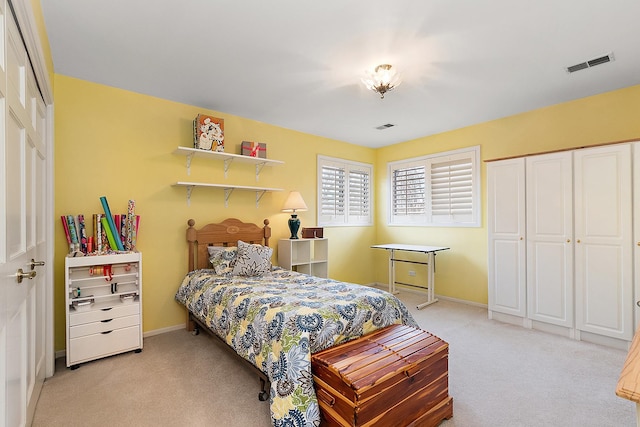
x=561 y=243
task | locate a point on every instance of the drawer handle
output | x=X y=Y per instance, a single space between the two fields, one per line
x=106 y=321
x=106 y=309
x=105 y=333
x=325 y=397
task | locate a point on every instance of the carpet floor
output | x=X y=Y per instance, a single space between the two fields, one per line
x=499 y=375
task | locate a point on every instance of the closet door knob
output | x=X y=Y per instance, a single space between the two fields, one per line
x=568 y=240
x=35 y=263
x=22 y=275
x=578 y=241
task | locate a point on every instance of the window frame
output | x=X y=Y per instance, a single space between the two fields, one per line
x=426 y=217
x=345 y=219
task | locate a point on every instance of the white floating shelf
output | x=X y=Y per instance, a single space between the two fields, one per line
x=228 y=189
x=228 y=158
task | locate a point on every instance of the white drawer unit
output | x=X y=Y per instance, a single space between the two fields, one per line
x=103 y=305
x=106 y=343
x=103 y=326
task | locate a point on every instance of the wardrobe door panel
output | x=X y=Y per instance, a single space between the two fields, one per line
x=549 y=188
x=506 y=207
x=603 y=248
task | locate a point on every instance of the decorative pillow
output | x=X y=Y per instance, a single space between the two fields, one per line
x=213 y=251
x=252 y=259
x=224 y=260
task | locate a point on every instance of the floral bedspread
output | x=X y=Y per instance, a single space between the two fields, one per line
x=277 y=320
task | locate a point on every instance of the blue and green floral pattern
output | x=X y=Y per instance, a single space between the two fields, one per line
x=277 y=320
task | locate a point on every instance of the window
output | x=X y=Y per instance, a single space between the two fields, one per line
x=437 y=190
x=344 y=192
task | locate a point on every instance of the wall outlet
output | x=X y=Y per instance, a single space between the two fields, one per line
x=412 y=273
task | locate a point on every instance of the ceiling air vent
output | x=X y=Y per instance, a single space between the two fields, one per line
x=591 y=63
x=387 y=126
x=577 y=67
x=598 y=61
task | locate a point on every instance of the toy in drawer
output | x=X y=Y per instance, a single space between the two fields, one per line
x=396 y=376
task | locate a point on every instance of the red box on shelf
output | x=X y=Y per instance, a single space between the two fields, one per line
x=254 y=149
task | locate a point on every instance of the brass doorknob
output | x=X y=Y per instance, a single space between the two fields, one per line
x=21 y=275
x=35 y=263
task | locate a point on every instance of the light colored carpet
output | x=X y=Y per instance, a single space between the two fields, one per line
x=499 y=375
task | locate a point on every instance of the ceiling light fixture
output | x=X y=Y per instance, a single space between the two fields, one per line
x=382 y=79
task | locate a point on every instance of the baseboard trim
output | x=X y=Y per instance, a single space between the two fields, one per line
x=463 y=301
x=164 y=330
x=385 y=287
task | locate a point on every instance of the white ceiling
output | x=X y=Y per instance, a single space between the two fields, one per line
x=298 y=64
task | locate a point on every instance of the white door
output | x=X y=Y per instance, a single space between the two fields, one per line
x=22 y=225
x=603 y=246
x=550 y=238
x=506 y=208
x=636 y=232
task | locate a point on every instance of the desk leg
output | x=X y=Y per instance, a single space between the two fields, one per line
x=431 y=281
x=392 y=273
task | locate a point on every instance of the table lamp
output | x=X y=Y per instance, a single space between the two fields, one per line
x=294 y=203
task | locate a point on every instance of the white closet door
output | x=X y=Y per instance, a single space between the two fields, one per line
x=636 y=231
x=603 y=247
x=23 y=232
x=5 y=268
x=506 y=208
x=549 y=188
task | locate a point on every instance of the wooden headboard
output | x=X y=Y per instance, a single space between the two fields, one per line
x=226 y=233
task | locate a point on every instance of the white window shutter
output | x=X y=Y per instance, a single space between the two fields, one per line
x=344 y=192
x=333 y=191
x=408 y=191
x=451 y=190
x=359 y=195
x=436 y=190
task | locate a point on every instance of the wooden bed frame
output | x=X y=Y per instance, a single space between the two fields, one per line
x=226 y=233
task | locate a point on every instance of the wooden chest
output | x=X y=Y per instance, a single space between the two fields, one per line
x=397 y=376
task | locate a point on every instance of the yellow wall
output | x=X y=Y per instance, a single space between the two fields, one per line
x=119 y=144
x=462 y=271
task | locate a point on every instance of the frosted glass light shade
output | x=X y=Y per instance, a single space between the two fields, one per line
x=382 y=80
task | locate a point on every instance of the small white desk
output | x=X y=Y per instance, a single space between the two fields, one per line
x=430 y=251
